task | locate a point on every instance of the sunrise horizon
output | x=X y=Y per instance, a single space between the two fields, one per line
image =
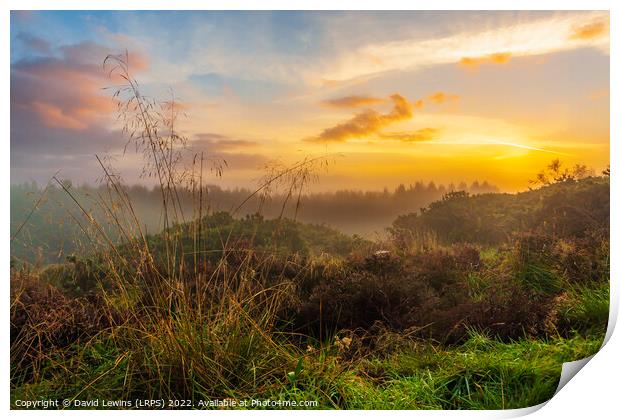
x=333 y=210
x=442 y=97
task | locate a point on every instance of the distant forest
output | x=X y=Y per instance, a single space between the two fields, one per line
x=49 y=221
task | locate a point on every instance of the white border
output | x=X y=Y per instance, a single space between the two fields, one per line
x=594 y=391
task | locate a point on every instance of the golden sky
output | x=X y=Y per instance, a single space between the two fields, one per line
x=396 y=96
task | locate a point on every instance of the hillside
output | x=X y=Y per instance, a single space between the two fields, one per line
x=219 y=234
x=564 y=209
x=52 y=231
x=227 y=307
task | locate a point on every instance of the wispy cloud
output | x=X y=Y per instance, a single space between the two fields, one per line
x=53 y=116
x=443 y=97
x=366 y=123
x=542 y=36
x=496 y=58
x=34 y=43
x=353 y=101
x=264 y=81
x=59 y=112
x=591 y=30
x=218 y=142
x=236 y=153
x=527 y=147
x=65 y=91
x=420 y=135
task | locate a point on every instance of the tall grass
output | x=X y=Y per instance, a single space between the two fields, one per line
x=156 y=318
x=176 y=331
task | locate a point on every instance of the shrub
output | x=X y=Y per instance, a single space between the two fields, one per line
x=583 y=260
x=429 y=293
x=43 y=320
x=583 y=309
x=533 y=262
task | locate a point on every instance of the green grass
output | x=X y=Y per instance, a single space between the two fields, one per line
x=586 y=309
x=482 y=373
x=213 y=307
x=539 y=278
x=234 y=349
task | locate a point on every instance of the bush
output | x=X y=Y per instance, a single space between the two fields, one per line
x=584 y=260
x=43 y=320
x=428 y=293
x=567 y=210
x=533 y=262
x=583 y=309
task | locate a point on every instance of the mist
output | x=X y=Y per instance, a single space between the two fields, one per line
x=48 y=220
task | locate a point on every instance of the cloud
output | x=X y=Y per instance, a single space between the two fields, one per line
x=419 y=104
x=495 y=58
x=31 y=136
x=65 y=91
x=353 y=101
x=213 y=142
x=232 y=151
x=34 y=43
x=443 y=97
x=52 y=116
x=79 y=168
x=590 y=31
x=423 y=134
x=470 y=47
x=366 y=123
x=38 y=151
x=59 y=113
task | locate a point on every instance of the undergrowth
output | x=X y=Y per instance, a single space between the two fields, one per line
x=218 y=307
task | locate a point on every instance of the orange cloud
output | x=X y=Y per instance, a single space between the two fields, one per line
x=352 y=101
x=138 y=62
x=66 y=91
x=219 y=142
x=135 y=61
x=53 y=116
x=442 y=97
x=590 y=31
x=366 y=123
x=496 y=58
x=423 y=134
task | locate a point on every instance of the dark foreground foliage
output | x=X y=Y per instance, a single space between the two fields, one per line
x=282 y=310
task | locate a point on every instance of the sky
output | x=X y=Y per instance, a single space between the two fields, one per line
x=392 y=97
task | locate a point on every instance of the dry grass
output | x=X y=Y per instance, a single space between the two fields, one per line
x=252 y=323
